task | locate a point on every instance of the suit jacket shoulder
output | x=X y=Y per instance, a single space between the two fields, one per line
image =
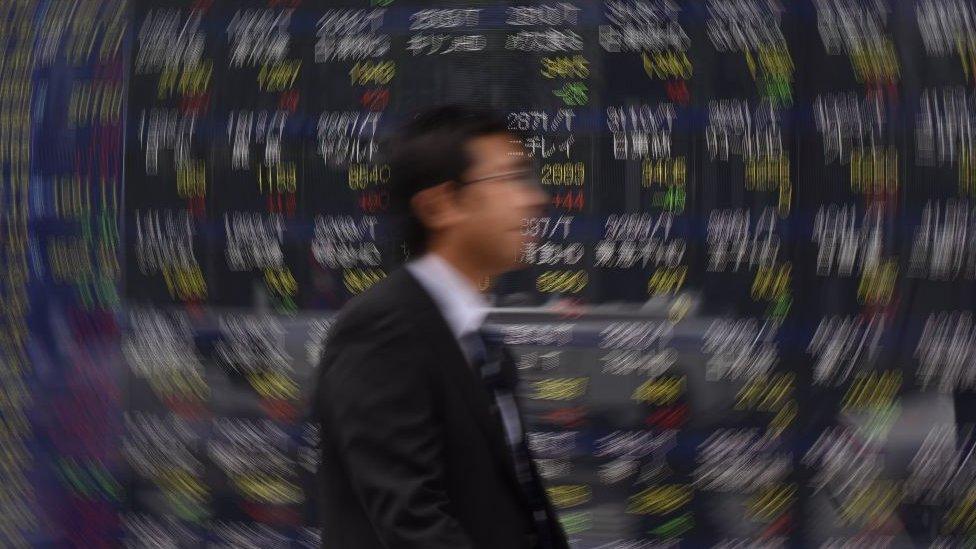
x=388 y=310
x=392 y=318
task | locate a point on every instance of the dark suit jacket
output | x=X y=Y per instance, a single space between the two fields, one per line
x=414 y=454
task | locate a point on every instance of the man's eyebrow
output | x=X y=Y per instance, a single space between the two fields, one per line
x=517 y=162
x=523 y=163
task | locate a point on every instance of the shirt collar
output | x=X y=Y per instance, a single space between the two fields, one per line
x=463 y=306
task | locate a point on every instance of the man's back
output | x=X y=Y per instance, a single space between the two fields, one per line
x=413 y=451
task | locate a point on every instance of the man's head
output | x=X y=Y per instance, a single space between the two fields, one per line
x=463 y=184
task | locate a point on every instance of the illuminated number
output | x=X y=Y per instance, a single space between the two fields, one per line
x=678 y=91
x=176 y=480
x=361 y=176
x=574 y=201
x=186 y=384
x=190 y=80
x=967 y=174
x=872 y=502
x=783 y=418
x=649 y=66
x=273 y=385
x=278 y=77
x=195 y=79
x=776 y=60
x=659 y=500
x=185 y=284
x=379 y=73
x=766 y=393
x=569 y=495
x=191 y=179
x=874 y=172
x=878 y=283
x=963 y=513
x=891 y=169
x=377 y=201
x=375 y=100
x=785 y=198
x=568 y=173
x=565 y=67
x=167 y=82
x=771 y=283
x=769 y=502
x=550 y=67
x=573 y=94
x=562 y=281
x=268 y=489
x=70 y=259
x=71 y=197
x=281 y=281
x=374 y=201
x=767 y=174
x=358 y=280
x=560 y=388
x=278 y=179
x=670 y=172
x=875 y=64
x=967 y=56
x=873 y=390
x=667 y=64
x=662 y=391
x=519 y=121
x=667 y=280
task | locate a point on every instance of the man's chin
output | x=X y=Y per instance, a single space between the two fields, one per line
x=518 y=265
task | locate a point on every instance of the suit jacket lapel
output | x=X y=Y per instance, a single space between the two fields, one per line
x=480 y=404
x=462 y=377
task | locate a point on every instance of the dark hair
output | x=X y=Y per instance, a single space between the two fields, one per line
x=428 y=150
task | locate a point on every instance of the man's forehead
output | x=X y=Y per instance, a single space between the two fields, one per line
x=501 y=151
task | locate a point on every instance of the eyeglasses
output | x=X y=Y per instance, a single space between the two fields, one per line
x=527 y=177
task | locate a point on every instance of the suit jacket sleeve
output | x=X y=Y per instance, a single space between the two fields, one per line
x=378 y=407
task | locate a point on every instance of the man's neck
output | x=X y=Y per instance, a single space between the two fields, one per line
x=470 y=272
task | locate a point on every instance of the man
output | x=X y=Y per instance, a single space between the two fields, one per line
x=423 y=445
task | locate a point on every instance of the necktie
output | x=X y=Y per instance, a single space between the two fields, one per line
x=484 y=351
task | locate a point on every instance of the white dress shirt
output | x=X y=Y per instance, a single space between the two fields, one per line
x=464 y=309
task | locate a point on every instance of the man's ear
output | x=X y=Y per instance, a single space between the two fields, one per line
x=435 y=206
